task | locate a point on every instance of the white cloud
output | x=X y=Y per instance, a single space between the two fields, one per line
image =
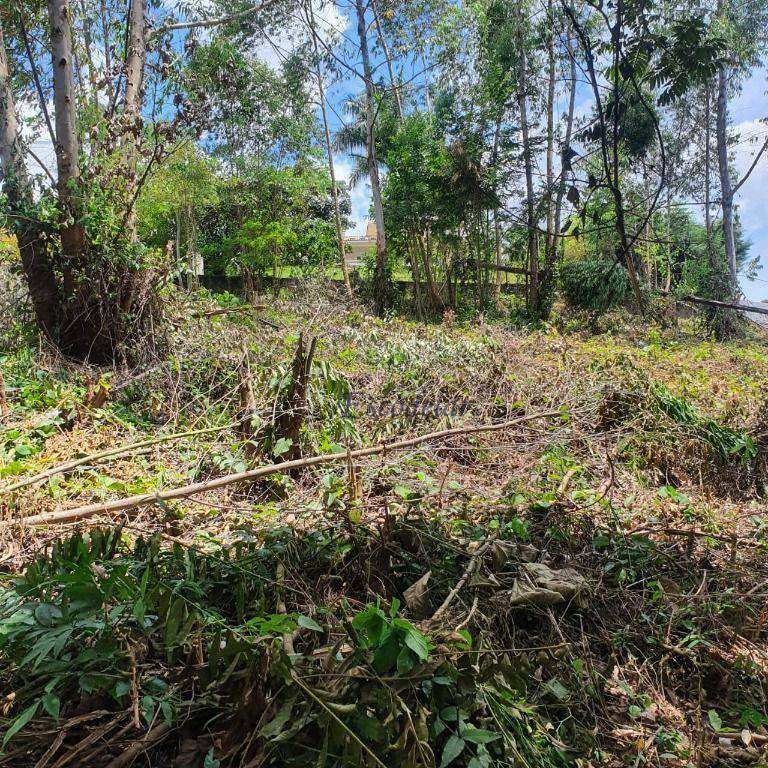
x=330 y=22
x=752 y=198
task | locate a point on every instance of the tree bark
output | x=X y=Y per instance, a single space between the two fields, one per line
x=726 y=186
x=388 y=59
x=36 y=264
x=329 y=151
x=566 y=143
x=533 y=240
x=549 y=250
x=132 y=123
x=107 y=52
x=67 y=148
x=380 y=275
x=88 y=43
x=711 y=255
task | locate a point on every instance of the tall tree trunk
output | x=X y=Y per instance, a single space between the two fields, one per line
x=107 y=52
x=566 y=144
x=36 y=264
x=434 y=294
x=496 y=222
x=135 y=62
x=88 y=42
x=726 y=186
x=609 y=151
x=380 y=274
x=711 y=254
x=533 y=240
x=329 y=151
x=67 y=149
x=550 y=169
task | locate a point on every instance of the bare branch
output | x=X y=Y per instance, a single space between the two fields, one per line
x=751 y=167
x=205 y=23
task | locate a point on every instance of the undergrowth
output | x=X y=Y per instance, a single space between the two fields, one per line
x=196 y=642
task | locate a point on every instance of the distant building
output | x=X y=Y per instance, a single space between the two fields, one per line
x=357 y=248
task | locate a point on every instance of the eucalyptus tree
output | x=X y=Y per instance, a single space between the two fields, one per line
x=744 y=27
x=318 y=65
x=91 y=282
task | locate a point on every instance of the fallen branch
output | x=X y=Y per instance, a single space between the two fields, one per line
x=688 y=533
x=474 y=561
x=132 y=448
x=142 y=499
x=124 y=759
x=228 y=310
x=720 y=304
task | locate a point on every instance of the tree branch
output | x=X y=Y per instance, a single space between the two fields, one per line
x=214 y=22
x=751 y=167
x=143 y=499
x=36 y=77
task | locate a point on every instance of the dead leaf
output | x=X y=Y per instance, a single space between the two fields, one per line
x=417 y=597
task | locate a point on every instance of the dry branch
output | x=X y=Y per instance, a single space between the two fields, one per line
x=474 y=562
x=131 y=502
x=229 y=310
x=720 y=304
x=140 y=745
x=206 y=23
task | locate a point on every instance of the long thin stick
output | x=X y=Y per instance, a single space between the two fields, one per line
x=474 y=561
x=69 y=465
x=131 y=502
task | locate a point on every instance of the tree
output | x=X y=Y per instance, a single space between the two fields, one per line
x=91 y=281
x=381 y=274
x=745 y=29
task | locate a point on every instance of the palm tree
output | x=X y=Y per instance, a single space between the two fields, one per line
x=350 y=138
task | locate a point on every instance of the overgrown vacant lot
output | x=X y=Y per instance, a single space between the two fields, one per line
x=584 y=584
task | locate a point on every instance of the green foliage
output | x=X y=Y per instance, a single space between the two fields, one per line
x=395 y=643
x=268 y=218
x=725 y=441
x=74 y=625
x=593 y=285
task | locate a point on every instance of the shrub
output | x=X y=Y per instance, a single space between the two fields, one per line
x=593 y=285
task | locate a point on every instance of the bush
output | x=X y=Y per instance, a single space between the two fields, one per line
x=593 y=285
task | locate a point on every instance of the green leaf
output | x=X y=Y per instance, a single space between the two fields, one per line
x=479 y=735
x=148 y=708
x=121 y=689
x=46 y=614
x=307 y=623
x=417 y=643
x=167 y=710
x=19 y=722
x=557 y=689
x=52 y=705
x=369 y=727
x=452 y=749
x=449 y=714
x=210 y=761
x=282 y=446
x=715 y=720
x=276 y=724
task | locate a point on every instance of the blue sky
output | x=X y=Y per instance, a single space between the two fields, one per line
x=747 y=110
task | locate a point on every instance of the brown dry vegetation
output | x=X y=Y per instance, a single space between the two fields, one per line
x=650 y=483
